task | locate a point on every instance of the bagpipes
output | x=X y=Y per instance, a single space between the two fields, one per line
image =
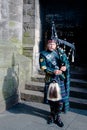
x=54 y=90
x=63 y=43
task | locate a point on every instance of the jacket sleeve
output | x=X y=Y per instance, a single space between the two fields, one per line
x=43 y=65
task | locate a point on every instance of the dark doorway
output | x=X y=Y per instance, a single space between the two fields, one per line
x=70 y=21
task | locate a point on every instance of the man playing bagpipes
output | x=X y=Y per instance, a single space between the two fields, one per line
x=54 y=62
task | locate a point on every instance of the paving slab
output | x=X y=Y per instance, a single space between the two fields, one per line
x=33 y=116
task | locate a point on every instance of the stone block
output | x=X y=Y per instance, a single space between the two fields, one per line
x=14 y=73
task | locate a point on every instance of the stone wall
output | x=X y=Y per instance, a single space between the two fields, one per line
x=13 y=73
x=11 y=13
x=38 y=35
x=31 y=32
x=15 y=23
x=28 y=27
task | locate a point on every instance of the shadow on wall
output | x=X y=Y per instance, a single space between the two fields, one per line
x=10 y=85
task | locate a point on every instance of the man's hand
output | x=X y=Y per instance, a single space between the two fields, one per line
x=63 y=68
x=57 y=72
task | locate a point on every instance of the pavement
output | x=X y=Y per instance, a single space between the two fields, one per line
x=33 y=116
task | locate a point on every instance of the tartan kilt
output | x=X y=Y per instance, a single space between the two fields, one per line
x=65 y=96
x=63 y=90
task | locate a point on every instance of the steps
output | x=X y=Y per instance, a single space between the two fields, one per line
x=33 y=92
x=78 y=91
x=79 y=73
x=31 y=95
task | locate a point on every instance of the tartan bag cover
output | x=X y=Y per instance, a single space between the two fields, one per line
x=54 y=92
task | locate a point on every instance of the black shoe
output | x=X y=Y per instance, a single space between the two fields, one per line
x=50 y=120
x=59 y=122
